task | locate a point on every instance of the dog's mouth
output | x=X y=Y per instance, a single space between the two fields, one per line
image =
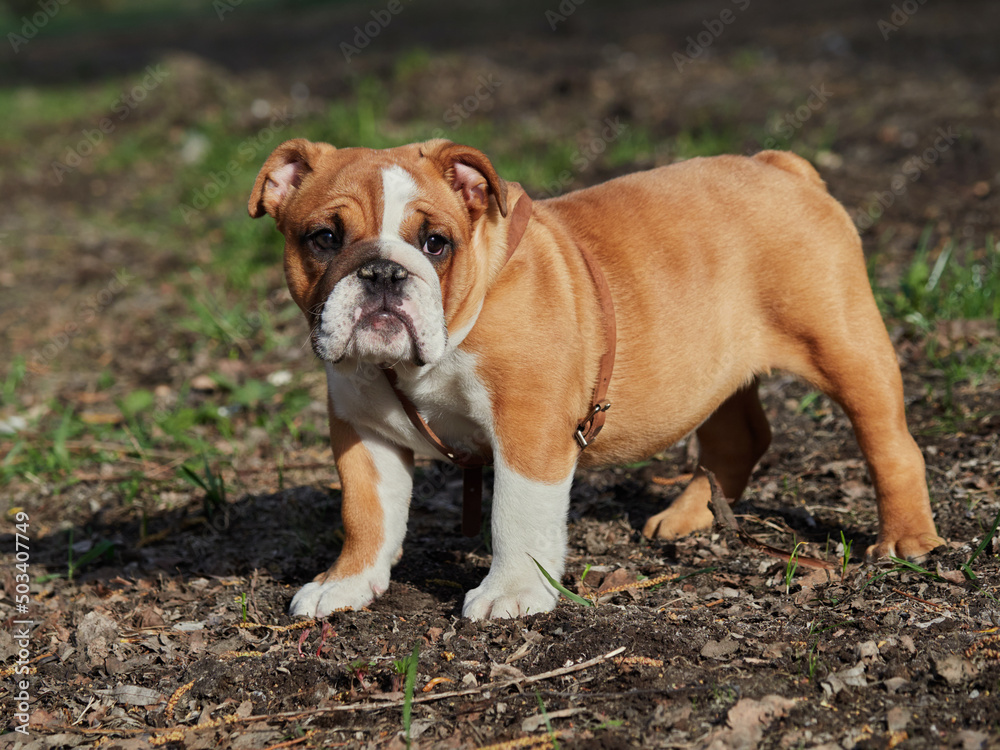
x=380 y=332
x=385 y=320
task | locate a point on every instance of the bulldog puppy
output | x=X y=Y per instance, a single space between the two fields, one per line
x=719 y=270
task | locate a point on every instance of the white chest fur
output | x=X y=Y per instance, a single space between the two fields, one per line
x=449 y=396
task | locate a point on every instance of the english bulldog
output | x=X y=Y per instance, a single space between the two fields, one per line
x=454 y=316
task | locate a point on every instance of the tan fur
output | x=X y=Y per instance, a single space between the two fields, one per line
x=361 y=510
x=721 y=269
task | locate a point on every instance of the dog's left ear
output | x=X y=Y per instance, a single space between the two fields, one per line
x=470 y=173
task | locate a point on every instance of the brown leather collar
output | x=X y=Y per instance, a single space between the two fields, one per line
x=588 y=429
x=591 y=425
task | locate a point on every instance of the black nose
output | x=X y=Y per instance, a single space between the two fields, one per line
x=382 y=275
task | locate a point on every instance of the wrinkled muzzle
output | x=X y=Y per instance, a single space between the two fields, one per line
x=386 y=311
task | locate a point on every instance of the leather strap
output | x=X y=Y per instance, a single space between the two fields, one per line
x=462 y=459
x=471 y=463
x=591 y=425
x=517 y=225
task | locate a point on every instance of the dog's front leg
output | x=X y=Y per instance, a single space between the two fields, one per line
x=529 y=521
x=377 y=479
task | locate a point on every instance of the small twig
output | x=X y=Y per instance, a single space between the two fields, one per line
x=725 y=518
x=720 y=504
x=290 y=743
x=84 y=712
x=252 y=599
x=918 y=599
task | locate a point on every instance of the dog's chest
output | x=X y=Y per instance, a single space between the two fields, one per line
x=450 y=398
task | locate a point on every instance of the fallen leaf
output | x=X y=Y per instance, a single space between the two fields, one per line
x=972 y=740
x=617 y=579
x=747 y=721
x=136 y=695
x=533 y=723
x=187 y=627
x=952 y=576
x=95 y=635
x=720 y=649
x=853 y=677
x=895 y=683
x=433 y=634
x=506 y=671
x=954 y=669
x=897 y=718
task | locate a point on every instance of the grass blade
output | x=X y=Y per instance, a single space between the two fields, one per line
x=562 y=589
x=411 y=679
x=986 y=540
x=545 y=715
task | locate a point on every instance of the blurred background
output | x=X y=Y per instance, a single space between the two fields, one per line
x=148 y=348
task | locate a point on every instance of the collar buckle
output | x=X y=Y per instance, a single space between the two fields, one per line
x=589 y=428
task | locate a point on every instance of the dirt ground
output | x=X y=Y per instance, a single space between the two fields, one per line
x=180 y=637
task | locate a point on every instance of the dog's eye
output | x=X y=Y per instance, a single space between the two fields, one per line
x=325 y=240
x=435 y=244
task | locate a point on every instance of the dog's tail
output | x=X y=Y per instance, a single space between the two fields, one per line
x=790 y=162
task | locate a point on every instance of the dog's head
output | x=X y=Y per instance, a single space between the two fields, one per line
x=388 y=253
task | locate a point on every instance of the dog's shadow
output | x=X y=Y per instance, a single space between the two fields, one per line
x=296 y=533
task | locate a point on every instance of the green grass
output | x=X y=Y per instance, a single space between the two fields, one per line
x=956 y=282
x=845 y=555
x=28 y=110
x=792 y=565
x=225 y=274
x=947 y=281
x=410 y=680
x=562 y=589
x=62 y=443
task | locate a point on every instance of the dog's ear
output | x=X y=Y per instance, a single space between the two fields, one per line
x=281 y=174
x=470 y=173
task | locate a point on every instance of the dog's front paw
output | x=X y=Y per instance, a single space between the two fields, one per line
x=318 y=599
x=493 y=599
x=907 y=547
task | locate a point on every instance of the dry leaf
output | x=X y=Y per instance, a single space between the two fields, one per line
x=747 y=721
x=136 y=695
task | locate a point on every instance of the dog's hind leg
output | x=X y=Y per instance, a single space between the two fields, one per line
x=854 y=363
x=730 y=444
